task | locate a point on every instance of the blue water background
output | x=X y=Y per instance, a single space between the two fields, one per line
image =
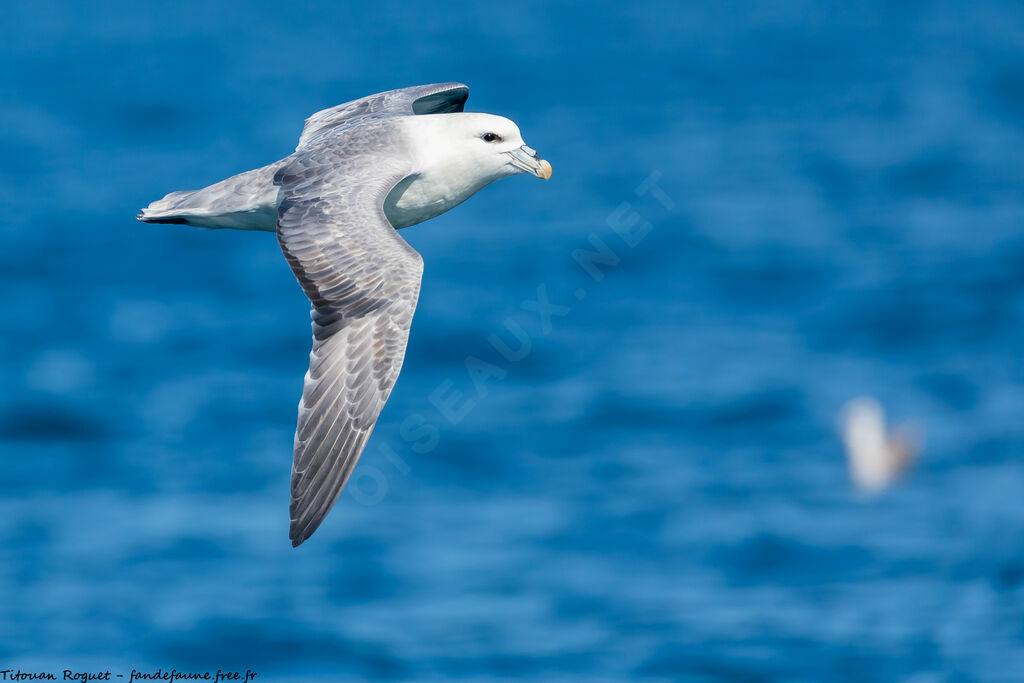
x=656 y=491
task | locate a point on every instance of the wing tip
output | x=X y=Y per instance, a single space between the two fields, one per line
x=299 y=535
x=441 y=98
x=303 y=525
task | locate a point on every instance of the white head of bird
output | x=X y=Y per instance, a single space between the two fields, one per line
x=456 y=156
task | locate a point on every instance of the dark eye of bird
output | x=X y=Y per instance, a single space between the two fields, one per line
x=491 y=137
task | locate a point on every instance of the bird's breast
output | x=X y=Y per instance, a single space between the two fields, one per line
x=423 y=196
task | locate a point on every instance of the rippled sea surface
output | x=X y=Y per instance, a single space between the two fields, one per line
x=824 y=200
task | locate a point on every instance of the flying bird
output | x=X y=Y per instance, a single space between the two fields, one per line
x=362 y=170
x=875 y=458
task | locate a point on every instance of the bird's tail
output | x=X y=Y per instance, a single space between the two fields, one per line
x=173 y=208
x=247 y=201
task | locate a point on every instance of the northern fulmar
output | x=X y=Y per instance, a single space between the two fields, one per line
x=361 y=171
x=875 y=456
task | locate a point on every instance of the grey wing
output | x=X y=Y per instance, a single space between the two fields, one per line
x=438 y=98
x=363 y=281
